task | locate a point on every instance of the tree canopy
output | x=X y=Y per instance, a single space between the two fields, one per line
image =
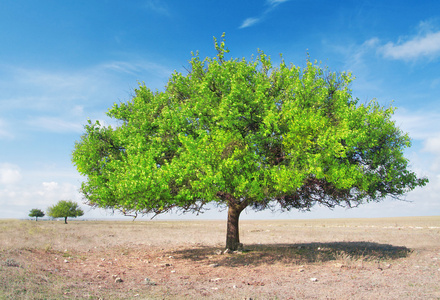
x=244 y=133
x=37 y=213
x=65 y=209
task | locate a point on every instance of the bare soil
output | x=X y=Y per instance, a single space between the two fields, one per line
x=395 y=258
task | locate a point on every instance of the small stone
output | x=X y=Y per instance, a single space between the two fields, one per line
x=301 y=270
x=313 y=279
x=118 y=279
x=215 y=279
x=148 y=281
x=214 y=265
x=226 y=251
x=66 y=261
x=173 y=271
x=218 y=252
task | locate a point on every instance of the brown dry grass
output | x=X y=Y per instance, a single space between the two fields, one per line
x=395 y=258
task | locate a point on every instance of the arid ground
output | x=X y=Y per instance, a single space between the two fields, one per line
x=395 y=258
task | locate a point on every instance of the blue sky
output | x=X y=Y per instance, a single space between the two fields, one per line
x=63 y=62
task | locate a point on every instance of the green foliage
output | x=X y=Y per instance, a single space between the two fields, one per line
x=65 y=209
x=244 y=134
x=37 y=213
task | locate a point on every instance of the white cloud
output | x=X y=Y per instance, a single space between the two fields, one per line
x=255 y=20
x=249 y=22
x=50 y=186
x=420 y=125
x=21 y=199
x=432 y=148
x=419 y=46
x=424 y=129
x=55 y=124
x=432 y=145
x=9 y=174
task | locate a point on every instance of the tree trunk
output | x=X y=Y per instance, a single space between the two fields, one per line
x=65 y=220
x=232 y=232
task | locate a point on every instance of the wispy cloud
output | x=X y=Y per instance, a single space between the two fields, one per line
x=60 y=101
x=276 y=2
x=427 y=45
x=5 y=133
x=45 y=90
x=422 y=124
x=157 y=6
x=53 y=90
x=55 y=124
x=136 y=68
x=271 y=4
x=250 y=22
x=9 y=174
x=432 y=145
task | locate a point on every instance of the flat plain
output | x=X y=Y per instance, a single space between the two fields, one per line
x=391 y=258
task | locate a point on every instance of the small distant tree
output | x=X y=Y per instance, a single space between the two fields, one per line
x=37 y=213
x=65 y=209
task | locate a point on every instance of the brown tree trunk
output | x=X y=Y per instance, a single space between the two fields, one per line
x=65 y=220
x=232 y=231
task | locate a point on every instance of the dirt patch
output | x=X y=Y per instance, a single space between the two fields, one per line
x=319 y=259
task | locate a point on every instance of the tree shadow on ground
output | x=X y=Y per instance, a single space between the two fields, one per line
x=260 y=254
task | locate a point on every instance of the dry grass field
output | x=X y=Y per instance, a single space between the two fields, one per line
x=395 y=258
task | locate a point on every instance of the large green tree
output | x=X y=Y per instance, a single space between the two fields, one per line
x=65 y=209
x=244 y=134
